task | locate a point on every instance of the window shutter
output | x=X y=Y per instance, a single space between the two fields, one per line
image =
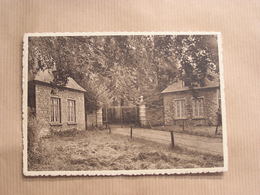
x=55 y=110
x=201 y=107
x=179 y=108
x=182 y=109
x=71 y=111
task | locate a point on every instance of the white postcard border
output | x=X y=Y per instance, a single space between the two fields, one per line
x=26 y=172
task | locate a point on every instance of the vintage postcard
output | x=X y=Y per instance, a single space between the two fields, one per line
x=123 y=104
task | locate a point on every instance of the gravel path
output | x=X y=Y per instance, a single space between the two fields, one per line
x=192 y=142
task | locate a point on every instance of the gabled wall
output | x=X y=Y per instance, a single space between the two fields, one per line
x=43 y=94
x=210 y=107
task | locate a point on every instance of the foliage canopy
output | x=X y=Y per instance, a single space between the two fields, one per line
x=115 y=68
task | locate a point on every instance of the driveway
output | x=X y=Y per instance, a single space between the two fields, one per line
x=191 y=142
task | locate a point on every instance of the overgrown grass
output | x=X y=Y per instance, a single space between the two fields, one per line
x=205 y=131
x=98 y=150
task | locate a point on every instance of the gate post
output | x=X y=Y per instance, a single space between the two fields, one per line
x=142 y=114
x=172 y=139
x=131 y=132
x=99 y=117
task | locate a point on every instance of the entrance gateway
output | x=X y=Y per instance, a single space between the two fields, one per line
x=127 y=115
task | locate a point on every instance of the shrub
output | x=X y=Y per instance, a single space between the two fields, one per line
x=66 y=133
x=100 y=127
x=35 y=128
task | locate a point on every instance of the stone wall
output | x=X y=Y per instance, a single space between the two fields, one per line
x=94 y=119
x=154 y=110
x=91 y=120
x=210 y=96
x=43 y=94
x=99 y=117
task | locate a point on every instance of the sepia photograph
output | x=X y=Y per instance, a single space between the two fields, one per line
x=123 y=104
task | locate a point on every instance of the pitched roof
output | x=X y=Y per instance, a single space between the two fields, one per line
x=178 y=86
x=47 y=77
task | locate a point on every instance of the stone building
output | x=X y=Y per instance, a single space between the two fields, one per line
x=62 y=108
x=197 y=106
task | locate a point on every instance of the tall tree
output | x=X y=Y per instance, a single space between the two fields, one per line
x=113 y=68
x=197 y=58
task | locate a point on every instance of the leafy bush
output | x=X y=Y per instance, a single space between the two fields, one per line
x=35 y=127
x=66 y=133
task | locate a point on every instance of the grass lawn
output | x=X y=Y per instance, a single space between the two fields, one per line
x=98 y=150
x=206 y=131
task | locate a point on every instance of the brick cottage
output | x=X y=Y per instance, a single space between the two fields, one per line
x=197 y=106
x=62 y=108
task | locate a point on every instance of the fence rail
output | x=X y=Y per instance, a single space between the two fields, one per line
x=172 y=138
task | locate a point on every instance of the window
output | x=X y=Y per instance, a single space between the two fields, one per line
x=198 y=107
x=180 y=109
x=71 y=111
x=55 y=110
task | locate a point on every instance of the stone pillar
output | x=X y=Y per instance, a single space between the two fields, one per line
x=142 y=114
x=99 y=117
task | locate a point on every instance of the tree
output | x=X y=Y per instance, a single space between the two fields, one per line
x=164 y=60
x=112 y=68
x=197 y=58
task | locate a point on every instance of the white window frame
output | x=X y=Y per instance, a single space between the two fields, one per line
x=55 y=110
x=200 y=109
x=71 y=111
x=182 y=110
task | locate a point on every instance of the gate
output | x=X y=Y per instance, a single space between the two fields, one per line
x=121 y=115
